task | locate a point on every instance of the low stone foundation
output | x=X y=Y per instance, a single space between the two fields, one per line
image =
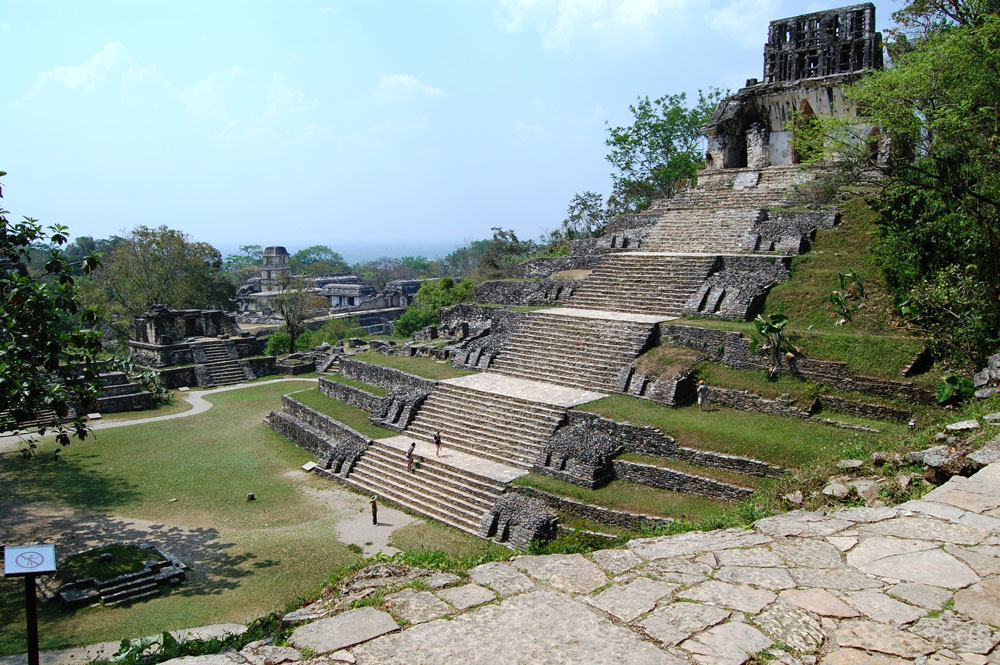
x=517 y=520
x=382 y=377
x=526 y=292
x=631 y=521
x=336 y=445
x=356 y=397
x=677 y=481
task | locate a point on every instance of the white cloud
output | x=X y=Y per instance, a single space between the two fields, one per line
x=283 y=98
x=560 y=23
x=396 y=87
x=745 y=20
x=89 y=74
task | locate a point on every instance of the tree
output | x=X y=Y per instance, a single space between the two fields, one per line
x=502 y=255
x=318 y=260
x=933 y=171
x=296 y=303
x=381 y=271
x=247 y=259
x=585 y=218
x=47 y=350
x=660 y=152
x=157 y=266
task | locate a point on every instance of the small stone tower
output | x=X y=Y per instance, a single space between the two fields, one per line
x=275 y=269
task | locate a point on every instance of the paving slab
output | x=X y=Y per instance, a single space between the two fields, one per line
x=632 y=600
x=543 y=627
x=858 y=657
x=501 y=578
x=417 y=606
x=808 y=553
x=918 y=528
x=801 y=523
x=883 y=609
x=615 y=562
x=774 y=579
x=740 y=598
x=209 y=659
x=844 y=580
x=982 y=562
x=572 y=573
x=576 y=312
x=980 y=602
x=451 y=457
x=757 y=557
x=695 y=542
x=881 y=638
x=923 y=595
x=441 y=580
x=533 y=391
x=677 y=622
x=791 y=625
x=680 y=570
x=342 y=631
x=727 y=644
x=466 y=596
x=819 y=601
x=911 y=561
x=952 y=632
x=268 y=654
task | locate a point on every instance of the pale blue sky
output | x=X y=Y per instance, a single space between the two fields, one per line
x=404 y=125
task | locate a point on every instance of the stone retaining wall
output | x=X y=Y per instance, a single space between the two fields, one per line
x=175 y=377
x=617 y=518
x=744 y=401
x=677 y=481
x=547 y=266
x=336 y=445
x=356 y=397
x=750 y=467
x=136 y=401
x=526 y=292
x=516 y=520
x=733 y=349
x=865 y=409
x=382 y=377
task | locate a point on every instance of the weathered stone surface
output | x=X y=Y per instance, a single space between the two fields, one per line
x=881 y=638
x=727 y=644
x=844 y=580
x=923 y=595
x=856 y=657
x=501 y=578
x=633 y=599
x=842 y=543
x=819 y=601
x=981 y=602
x=962 y=425
x=954 y=494
x=757 y=557
x=679 y=621
x=791 y=625
x=917 y=528
x=537 y=627
x=416 y=606
x=210 y=659
x=850 y=464
x=615 y=562
x=769 y=578
x=808 y=553
x=679 y=570
x=951 y=632
x=836 y=490
x=695 y=542
x=311 y=612
x=912 y=561
x=466 y=596
x=441 y=580
x=343 y=630
x=564 y=572
x=266 y=654
x=741 y=598
x=801 y=523
x=983 y=564
x=867 y=514
x=883 y=609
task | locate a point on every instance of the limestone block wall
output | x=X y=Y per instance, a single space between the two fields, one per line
x=544 y=292
x=335 y=444
x=676 y=481
x=356 y=397
x=547 y=266
x=154 y=355
x=517 y=520
x=175 y=377
x=632 y=521
x=382 y=377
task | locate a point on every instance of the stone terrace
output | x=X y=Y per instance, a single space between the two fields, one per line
x=917 y=584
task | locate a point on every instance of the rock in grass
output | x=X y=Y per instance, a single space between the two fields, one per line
x=850 y=464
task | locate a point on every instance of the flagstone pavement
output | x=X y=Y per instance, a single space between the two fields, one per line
x=918 y=583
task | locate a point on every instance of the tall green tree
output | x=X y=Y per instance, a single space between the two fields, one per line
x=296 y=303
x=157 y=266
x=47 y=344
x=933 y=164
x=660 y=152
x=318 y=260
x=585 y=218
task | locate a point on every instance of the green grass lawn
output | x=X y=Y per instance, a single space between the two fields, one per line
x=774 y=439
x=375 y=390
x=258 y=555
x=722 y=475
x=176 y=404
x=425 y=367
x=349 y=415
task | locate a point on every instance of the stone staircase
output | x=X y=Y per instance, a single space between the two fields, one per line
x=222 y=368
x=642 y=283
x=503 y=429
x=703 y=231
x=579 y=352
x=445 y=492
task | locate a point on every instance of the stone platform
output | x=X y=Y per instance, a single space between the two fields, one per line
x=457 y=459
x=534 y=391
x=605 y=314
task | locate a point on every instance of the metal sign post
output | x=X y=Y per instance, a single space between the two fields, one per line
x=28 y=561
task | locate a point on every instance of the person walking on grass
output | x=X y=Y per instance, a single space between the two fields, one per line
x=702 y=392
x=437 y=443
x=409 y=456
x=374 y=510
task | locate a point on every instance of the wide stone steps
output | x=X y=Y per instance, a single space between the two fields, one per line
x=500 y=428
x=647 y=284
x=382 y=471
x=573 y=351
x=225 y=372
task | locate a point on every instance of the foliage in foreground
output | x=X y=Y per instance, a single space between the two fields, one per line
x=432 y=296
x=47 y=352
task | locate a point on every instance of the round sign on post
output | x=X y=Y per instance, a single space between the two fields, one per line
x=27 y=561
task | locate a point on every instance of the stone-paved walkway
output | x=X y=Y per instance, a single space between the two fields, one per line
x=535 y=391
x=915 y=584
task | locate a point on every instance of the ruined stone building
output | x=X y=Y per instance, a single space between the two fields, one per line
x=807 y=61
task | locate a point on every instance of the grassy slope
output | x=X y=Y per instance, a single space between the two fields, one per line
x=260 y=555
x=425 y=367
x=349 y=415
